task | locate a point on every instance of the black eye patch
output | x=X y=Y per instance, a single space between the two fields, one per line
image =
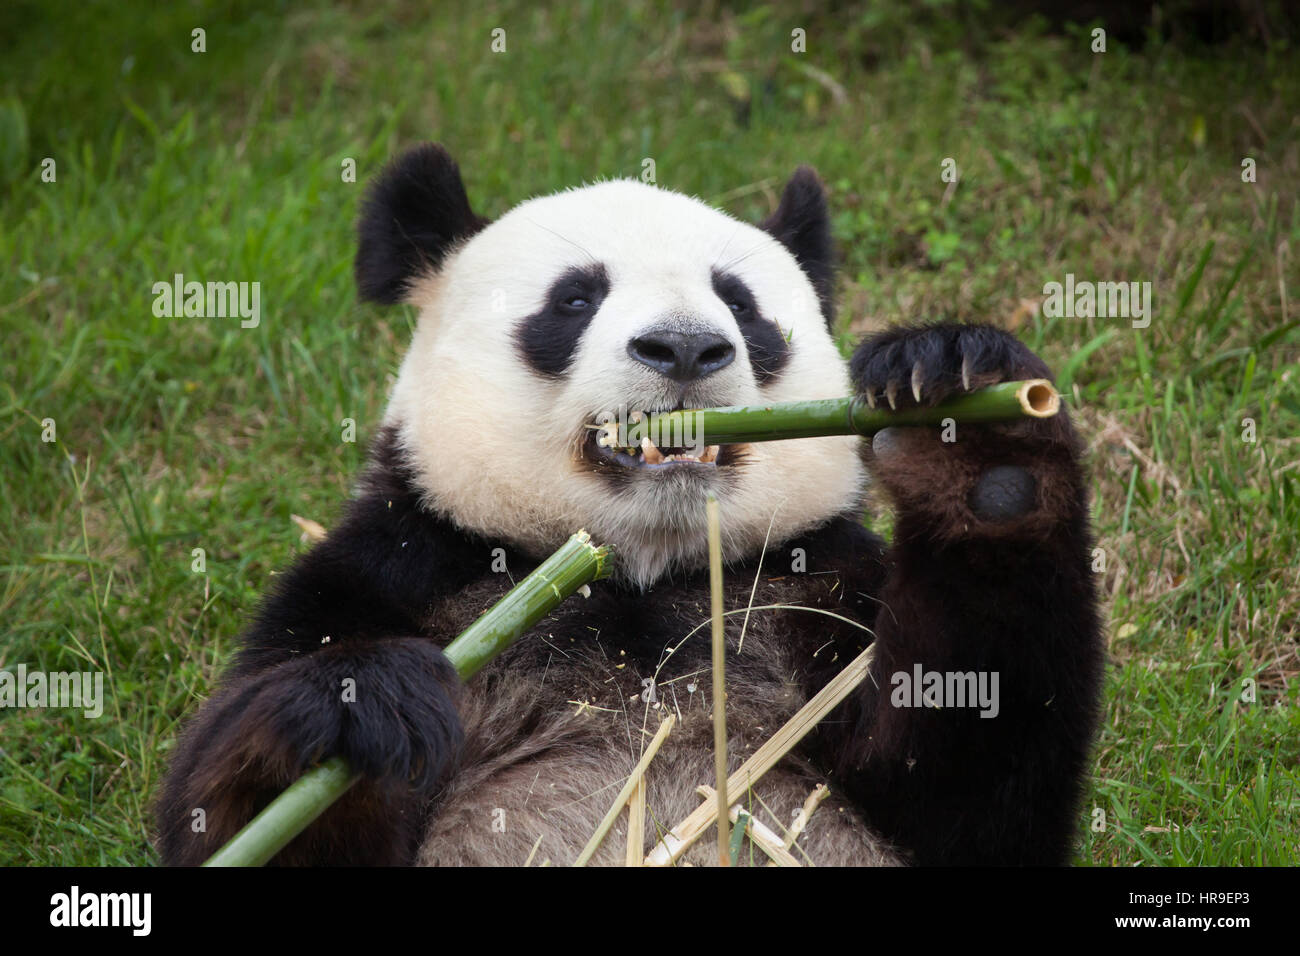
x=549 y=337
x=767 y=346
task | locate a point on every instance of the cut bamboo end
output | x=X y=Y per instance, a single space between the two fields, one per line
x=1038 y=398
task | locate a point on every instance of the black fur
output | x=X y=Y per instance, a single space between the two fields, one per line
x=549 y=337
x=767 y=346
x=803 y=225
x=413 y=214
x=991 y=356
x=965 y=593
x=352 y=608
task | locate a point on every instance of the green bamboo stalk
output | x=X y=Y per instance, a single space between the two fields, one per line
x=576 y=563
x=1034 y=398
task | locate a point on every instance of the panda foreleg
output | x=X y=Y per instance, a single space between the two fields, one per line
x=387 y=705
x=988 y=581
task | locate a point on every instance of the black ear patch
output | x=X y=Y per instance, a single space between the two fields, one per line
x=413 y=213
x=803 y=224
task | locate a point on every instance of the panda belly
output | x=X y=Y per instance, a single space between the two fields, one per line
x=541 y=801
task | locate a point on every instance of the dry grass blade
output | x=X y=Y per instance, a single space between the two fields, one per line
x=719 y=680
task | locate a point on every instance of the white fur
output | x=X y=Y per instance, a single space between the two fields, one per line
x=492 y=441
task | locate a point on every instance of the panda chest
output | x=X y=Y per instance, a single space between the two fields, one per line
x=554 y=727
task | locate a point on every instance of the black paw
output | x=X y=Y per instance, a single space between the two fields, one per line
x=385 y=706
x=924 y=365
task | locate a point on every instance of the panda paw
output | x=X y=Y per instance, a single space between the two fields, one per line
x=386 y=706
x=1014 y=479
x=910 y=366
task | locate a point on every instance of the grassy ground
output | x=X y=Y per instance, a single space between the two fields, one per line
x=177 y=434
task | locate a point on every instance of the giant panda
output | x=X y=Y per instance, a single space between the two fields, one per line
x=623 y=294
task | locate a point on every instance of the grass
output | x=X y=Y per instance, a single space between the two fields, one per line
x=179 y=434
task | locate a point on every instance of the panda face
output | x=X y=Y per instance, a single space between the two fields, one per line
x=596 y=303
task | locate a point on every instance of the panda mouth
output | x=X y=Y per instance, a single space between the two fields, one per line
x=599 y=448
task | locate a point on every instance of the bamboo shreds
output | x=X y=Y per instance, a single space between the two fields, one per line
x=637 y=773
x=311 y=530
x=760 y=834
x=680 y=837
x=812 y=803
x=719 y=679
x=820 y=793
x=636 y=825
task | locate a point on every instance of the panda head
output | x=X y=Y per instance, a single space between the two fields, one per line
x=599 y=301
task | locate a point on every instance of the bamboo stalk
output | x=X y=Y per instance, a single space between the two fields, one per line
x=576 y=563
x=1007 y=401
x=719 y=678
x=638 y=772
x=680 y=837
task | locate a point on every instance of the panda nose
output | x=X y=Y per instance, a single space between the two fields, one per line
x=682 y=356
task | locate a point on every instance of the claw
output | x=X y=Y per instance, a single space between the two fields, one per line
x=916 y=382
x=891 y=393
x=870 y=396
x=965 y=372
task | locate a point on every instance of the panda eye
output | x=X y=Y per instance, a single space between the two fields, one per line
x=735 y=295
x=573 y=303
x=577 y=294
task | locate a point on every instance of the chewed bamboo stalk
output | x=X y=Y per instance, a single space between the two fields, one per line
x=575 y=564
x=816 y=418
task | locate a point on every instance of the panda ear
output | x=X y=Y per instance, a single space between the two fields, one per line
x=413 y=213
x=803 y=224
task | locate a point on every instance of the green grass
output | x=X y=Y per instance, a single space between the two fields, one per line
x=178 y=434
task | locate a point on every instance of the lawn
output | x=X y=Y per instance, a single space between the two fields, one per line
x=177 y=434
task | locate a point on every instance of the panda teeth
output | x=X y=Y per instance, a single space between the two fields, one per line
x=652 y=455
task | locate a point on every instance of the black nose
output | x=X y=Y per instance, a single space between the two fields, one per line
x=682 y=357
